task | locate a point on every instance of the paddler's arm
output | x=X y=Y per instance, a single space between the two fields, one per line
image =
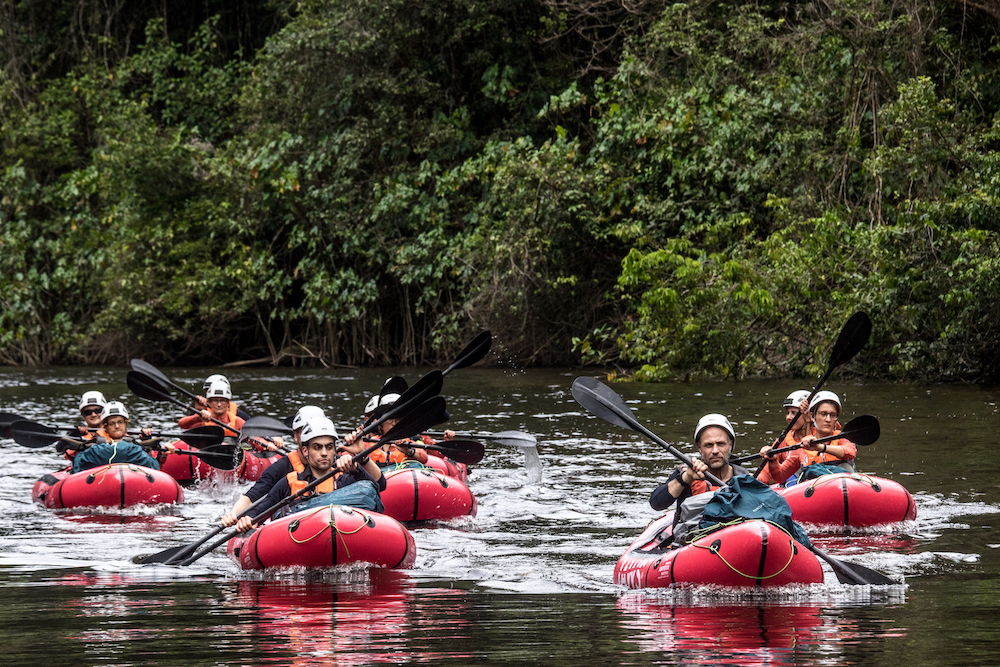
x=677 y=484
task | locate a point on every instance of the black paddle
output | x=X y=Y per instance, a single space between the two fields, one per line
x=472 y=352
x=6 y=419
x=150 y=389
x=604 y=403
x=152 y=371
x=35 y=435
x=428 y=413
x=464 y=451
x=862 y=430
x=422 y=390
x=507 y=438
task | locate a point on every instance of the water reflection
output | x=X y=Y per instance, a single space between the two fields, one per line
x=743 y=633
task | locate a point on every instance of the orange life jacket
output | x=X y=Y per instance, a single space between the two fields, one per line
x=296 y=461
x=328 y=485
x=850 y=451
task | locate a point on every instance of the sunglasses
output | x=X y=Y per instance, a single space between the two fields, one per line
x=90 y=411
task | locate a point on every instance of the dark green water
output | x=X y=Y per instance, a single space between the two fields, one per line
x=529 y=579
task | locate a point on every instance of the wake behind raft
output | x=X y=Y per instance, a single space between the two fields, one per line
x=745 y=538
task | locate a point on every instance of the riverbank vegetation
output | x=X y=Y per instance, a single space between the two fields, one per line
x=667 y=190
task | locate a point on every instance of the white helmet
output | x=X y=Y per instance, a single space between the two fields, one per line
x=372 y=404
x=218 y=390
x=795 y=398
x=714 y=419
x=92 y=398
x=212 y=379
x=824 y=396
x=305 y=413
x=384 y=403
x=113 y=409
x=316 y=427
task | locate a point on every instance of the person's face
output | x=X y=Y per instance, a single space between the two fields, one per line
x=790 y=414
x=116 y=427
x=91 y=415
x=219 y=406
x=826 y=417
x=320 y=452
x=387 y=426
x=714 y=447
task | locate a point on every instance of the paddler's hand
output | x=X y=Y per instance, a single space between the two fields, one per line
x=695 y=472
x=351 y=437
x=765 y=452
x=147 y=433
x=228 y=519
x=277 y=442
x=346 y=463
x=83 y=430
x=807 y=443
x=206 y=415
x=200 y=403
x=244 y=524
x=449 y=435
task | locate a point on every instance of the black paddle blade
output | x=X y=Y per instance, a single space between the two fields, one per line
x=32 y=434
x=146 y=387
x=264 y=427
x=601 y=401
x=468 y=452
x=203 y=436
x=6 y=419
x=424 y=416
x=149 y=370
x=862 y=430
x=854 y=574
x=220 y=460
x=160 y=556
x=394 y=385
x=427 y=386
x=472 y=353
x=852 y=338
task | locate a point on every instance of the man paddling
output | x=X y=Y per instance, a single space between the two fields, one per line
x=323 y=455
x=117 y=447
x=274 y=473
x=714 y=437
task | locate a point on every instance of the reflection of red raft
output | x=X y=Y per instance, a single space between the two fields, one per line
x=117 y=485
x=424 y=494
x=846 y=499
x=324 y=537
x=751 y=553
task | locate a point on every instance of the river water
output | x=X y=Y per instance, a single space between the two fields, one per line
x=529 y=579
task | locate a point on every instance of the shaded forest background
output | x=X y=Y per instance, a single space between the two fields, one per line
x=662 y=188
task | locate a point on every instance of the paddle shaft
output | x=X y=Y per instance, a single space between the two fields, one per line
x=781 y=450
x=274 y=508
x=191 y=409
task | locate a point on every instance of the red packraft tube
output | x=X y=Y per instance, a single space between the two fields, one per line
x=117 y=485
x=424 y=494
x=446 y=466
x=849 y=499
x=747 y=554
x=324 y=537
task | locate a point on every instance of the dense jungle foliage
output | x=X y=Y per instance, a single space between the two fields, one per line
x=666 y=189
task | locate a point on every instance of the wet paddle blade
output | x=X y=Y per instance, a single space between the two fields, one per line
x=146 y=387
x=264 y=427
x=852 y=338
x=6 y=419
x=512 y=439
x=468 y=452
x=472 y=353
x=602 y=402
x=34 y=435
x=854 y=574
x=201 y=436
x=220 y=460
x=160 y=556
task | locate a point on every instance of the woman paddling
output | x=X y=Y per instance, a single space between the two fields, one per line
x=824 y=410
x=117 y=446
x=796 y=407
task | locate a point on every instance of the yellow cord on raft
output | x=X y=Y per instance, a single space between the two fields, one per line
x=791 y=550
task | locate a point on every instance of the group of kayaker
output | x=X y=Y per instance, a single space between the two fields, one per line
x=715 y=437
